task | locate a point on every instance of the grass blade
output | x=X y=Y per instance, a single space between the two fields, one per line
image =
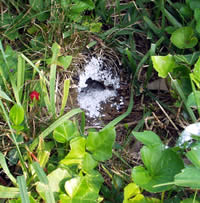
x=124 y=115
x=53 y=126
x=65 y=96
x=45 y=93
x=13 y=137
x=20 y=75
x=171 y=19
x=3 y=95
x=152 y=26
x=52 y=89
x=23 y=190
x=6 y=170
x=9 y=192
x=40 y=173
x=36 y=68
x=177 y=87
x=43 y=178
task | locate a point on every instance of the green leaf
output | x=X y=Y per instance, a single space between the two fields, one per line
x=6 y=169
x=184 y=38
x=65 y=95
x=188 y=59
x=49 y=197
x=53 y=126
x=194 y=155
x=148 y=138
x=83 y=189
x=9 y=192
x=78 y=155
x=132 y=193
x=194 y=4
x=54 y=179
x=161 y=167
x=40 y=173
x=191 y=100
x=163 y=64
x=189 y=177
x=16 y=114
x=23 y=190
x=65 y=132
x=3 y=95
x=56 y=53
x=195 y=76
x=77 y=152
x=101 y=143
x=64 y=61
x=189 y=200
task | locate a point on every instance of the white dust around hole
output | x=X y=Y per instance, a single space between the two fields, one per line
x=91 y=101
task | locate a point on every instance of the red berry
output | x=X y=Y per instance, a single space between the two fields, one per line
x=34 y=95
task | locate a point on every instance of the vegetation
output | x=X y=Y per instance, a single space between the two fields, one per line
x=48 y=153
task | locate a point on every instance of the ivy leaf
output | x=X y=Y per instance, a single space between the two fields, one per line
x=65 y=132
x=184 y=38
x=83 y=188
x=100 y=144
x=161 y=165
x=78 y=155
x=132 y=193
x=163 y=64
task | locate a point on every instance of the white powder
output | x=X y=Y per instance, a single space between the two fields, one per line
x=186 y=135
x=92 y=99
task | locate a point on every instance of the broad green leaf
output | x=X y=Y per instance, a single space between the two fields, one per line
x=194 y=4
x=77 y=152
x=9 y=192
x=186 y=11
x=16 y=114
x=191 y=100
x=54 y=179
x=158 y=170
x=194 y=155
x=189 y=177
x=132 y=193
x=189 y=200
x=184 y=38
x=151 y=156
x=148 y=138
x=100 y=144
x=65 y=132
x=84 y=188
x=88 y=162
x=64 y=61
x=163 y=64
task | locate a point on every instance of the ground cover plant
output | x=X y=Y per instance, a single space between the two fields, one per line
x=147 y=153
